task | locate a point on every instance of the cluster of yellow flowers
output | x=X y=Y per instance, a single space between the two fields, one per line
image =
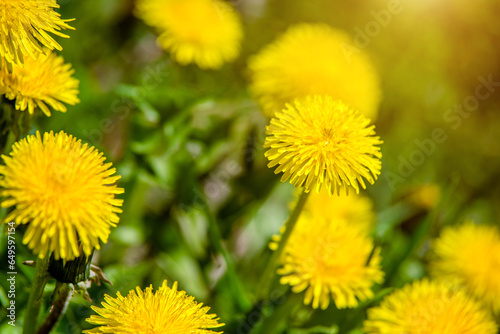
x=317 y=137
x=321 y=139
x=321 y=104
x=463 y=295
x=30 y=73
x=62 y=189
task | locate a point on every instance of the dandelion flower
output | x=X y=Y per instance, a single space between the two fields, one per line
x=25 y=26
x=320 y=140
x=427 y=307
x=165 y=311
x=41 y=83
x=353 y=209
x=328 y=259
x=63 y=191
x=314 y=59
x=205 y=32
x=469 y=255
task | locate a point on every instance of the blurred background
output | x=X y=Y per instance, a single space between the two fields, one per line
x=188 y=143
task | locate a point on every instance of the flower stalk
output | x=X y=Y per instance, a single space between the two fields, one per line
x=59 y=305
x=269 y=272
x=271 y=323
x=35 y=300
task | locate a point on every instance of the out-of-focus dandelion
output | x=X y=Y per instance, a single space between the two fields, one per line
x=164 y=311
x=469 y=255
x=63 y=191
x=24 y=29
x=328 y=259
x=43 y=83
x=318 y=140
x=355 y=209
x=314 y=59
x=429 y=307
x=205 y=32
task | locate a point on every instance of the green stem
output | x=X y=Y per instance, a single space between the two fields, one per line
x=6 y=112
x=271 y=323
x=269 y=272
x=12 y=122
x=35 y=300
x=57 y=310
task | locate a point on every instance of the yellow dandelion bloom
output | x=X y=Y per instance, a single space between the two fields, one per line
x=63 y=191
x=314 y=59
x=320 y=140
x=469 y=255
x=43 y=83
x=205 y=32
x=426 y=307
x=355 y=209
x=25 y=26
x=328 y=259
x=165 y=311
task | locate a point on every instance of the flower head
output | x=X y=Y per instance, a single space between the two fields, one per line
x=328 y=259
x=320 y=140
x=165 y=311
x=426 y=307
x=41 y=83
x=63 y=191
x=469 y=255
x=205 y=32
x=355 y=209
x=24 y=28
x=314 y=59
